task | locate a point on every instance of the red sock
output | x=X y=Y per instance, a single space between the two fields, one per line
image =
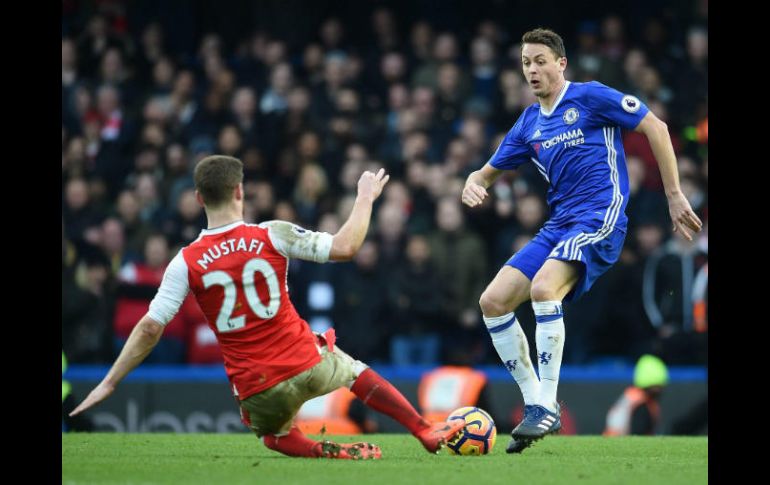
x=380 y=395
x=293 y=444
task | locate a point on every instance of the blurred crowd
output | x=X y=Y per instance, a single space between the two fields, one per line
x=307 y=117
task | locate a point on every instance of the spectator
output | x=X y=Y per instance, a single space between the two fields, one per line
x=415 y=295
x=637 y=412
x=427 y=97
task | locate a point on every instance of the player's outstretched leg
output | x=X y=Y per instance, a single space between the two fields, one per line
x=297 y=444
x=380 y=395
x=437 y=435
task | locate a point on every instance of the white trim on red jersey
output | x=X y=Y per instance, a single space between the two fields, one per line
x=289 y=239
x=293 y=241
x=221 y=229
x=172 y=292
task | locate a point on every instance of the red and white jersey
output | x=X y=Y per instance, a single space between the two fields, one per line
x=238 y=274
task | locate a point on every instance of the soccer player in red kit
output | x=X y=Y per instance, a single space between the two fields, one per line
x=238 y=274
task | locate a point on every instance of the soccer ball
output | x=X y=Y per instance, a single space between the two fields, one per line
x=478 y=436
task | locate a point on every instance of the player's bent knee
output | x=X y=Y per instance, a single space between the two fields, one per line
x=358 y=368
x=542 y=291
x=491 y=306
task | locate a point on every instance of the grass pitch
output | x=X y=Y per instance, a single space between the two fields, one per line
x=110 y=458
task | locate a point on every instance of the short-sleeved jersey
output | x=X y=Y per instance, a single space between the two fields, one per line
x=577 y=148
x=238 y=274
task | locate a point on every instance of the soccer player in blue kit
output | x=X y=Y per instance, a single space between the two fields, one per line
x=573 y=137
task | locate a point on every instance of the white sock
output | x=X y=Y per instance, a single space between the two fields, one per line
x=512 y=347
x=549 y=338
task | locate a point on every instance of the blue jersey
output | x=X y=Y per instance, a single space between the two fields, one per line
x=577 y=148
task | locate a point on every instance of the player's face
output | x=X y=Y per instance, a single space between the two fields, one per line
x=542 y=69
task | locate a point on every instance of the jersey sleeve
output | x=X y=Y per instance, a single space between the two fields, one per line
x=513 y=150
x=612 y=107
x=295 y=242
x=172 y=292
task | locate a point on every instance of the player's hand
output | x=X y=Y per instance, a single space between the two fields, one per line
x=683 y=217
x=473 y=194
x=99 y=394
x=370 y=185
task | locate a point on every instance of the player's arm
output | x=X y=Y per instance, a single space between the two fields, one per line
x=142 y=340
x=350 y=237
x=682 y=214
x=510 y=154
x=475 y=190
x=146 y=333
x=295 y=242
x=614 y=108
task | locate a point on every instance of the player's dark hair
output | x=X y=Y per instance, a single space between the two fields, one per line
x=546 y=37
x=216 y=177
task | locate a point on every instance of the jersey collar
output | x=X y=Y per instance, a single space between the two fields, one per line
x=558 y=100
x=221 y=229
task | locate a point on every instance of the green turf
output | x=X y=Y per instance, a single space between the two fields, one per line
x=106 y=458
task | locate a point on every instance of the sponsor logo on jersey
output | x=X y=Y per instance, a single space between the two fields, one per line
x=562 y=137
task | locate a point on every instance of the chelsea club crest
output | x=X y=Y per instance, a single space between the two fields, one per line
x=571 y=116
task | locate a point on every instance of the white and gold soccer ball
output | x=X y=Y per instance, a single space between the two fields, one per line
x=477 y=437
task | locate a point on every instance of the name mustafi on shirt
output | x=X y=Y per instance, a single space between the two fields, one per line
x=229 y=246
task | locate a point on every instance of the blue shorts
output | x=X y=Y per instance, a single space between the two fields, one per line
x=581 y=241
